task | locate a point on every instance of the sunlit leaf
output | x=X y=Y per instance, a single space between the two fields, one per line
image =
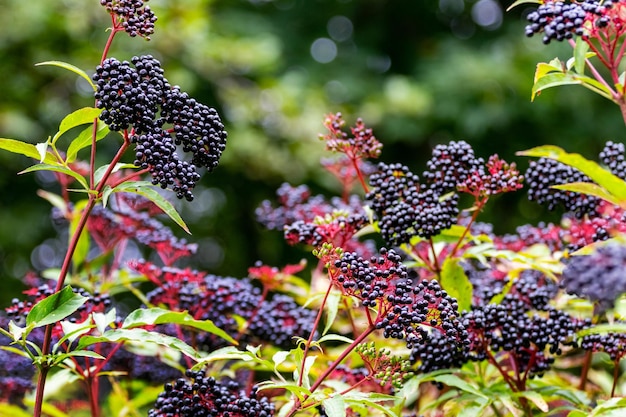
x=26 y=149
x=55 y=307
x=59 y=169
x=456 y=283
x=70 y=67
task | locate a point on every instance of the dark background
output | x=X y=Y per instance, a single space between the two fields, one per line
x=418 y=72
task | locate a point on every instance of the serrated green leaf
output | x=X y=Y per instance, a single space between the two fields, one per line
x=610 y=182
x=331 y=307
x=26 y=149
x=151 y=316
x=84 y=139
x=147 y=190
x=75 y=119
x=55 y=307
x=334 y=406
x=139 y=336
x=456 y=283
x=70 y=67
x=58 y=168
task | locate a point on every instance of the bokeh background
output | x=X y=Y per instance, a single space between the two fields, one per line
x=419 y=72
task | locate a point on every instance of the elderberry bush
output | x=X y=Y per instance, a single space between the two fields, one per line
x=161 y=118
x=200 y=396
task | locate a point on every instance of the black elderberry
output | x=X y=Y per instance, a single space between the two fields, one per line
x=134 y=16
x=613 y=157
x=544 y=173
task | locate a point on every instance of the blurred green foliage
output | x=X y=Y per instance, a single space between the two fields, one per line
x=418 y=72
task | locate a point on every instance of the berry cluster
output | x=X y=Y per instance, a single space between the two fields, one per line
x=523 y=325
x=450 y=165
x=405 y=210
x=142 y=98
x=598 y=276
x=134 y=16
x=612 y=155
x=201 y=396
x=496 y=177
x=385 y=368
x=136 y=366
x=613 y=344
x=404 y=309
x=560 y=20
x=544 y=173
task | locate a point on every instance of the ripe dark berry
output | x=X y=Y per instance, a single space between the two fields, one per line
x=450 y=165
x=544 y=173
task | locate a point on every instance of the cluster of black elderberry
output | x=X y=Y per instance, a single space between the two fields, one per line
x=16 y=371
x=404 y=209
x=220 y=299
x=135 y=16
x=523 y=324
x=142 y=98
x=560 y=20
x=405 y=308
x=598 y=276
x=611 y=343
x=544 y=173
x=612 y=155
x=200 y=396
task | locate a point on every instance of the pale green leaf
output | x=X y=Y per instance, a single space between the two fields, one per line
x=334 y=406
x=331 y=307
x=75 y=119
x=580 y=55
x=454 y=381
x=85 y=139
x=72 y=68
x=589 y=188
x=60 y=169
x=518 y=2
x=456 y=283
x=26 y=149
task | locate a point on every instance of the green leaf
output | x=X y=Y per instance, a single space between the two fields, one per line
x=55 y=307
x=298 y=391
x=60 y=169
x=104 y=320
x=70 y=67
x=455 y=282
x=536 y=399
x=475 y=409
x=82 y=246
x=151 y=316
x=147 y=190
x=454 y=381
x=26 y=149
x=588 y=188
x=611 y=183
x=78 y=353
x=335 y=337
x=334 y=406
x=580 y=55
x=603 y=329
x=139 y=336
x=10 y=410
x=77 y=118
x=84 y=139
x=553 y=79
x=331 y=307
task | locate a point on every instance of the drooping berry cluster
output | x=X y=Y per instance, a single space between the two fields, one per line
x=598 y=276
x=134 y=16
x=611 y=343
x=200 y=396
x=141 y=98
x=560 y=20
x=544 y=173
x=405 y=210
